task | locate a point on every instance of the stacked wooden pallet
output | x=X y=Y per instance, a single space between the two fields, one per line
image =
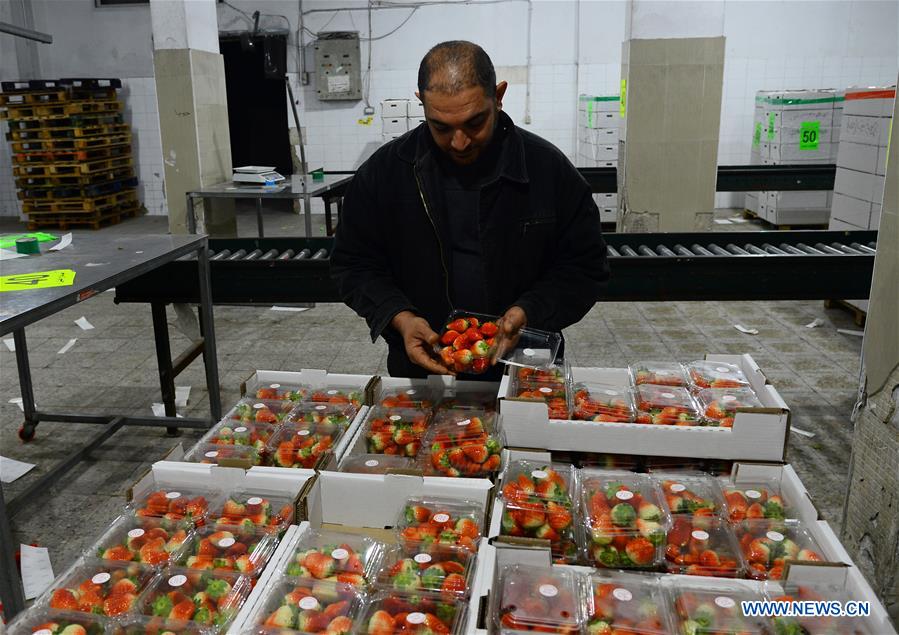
x=71 y=152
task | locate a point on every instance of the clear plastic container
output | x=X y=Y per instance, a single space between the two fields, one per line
x=274 y=391
x=465 y=447
x=602 y=403
x=767 y=545
x=537 y=599
x=818 y=625
x=42 y=621
x=395 y=432
x=471 y=399
x=692 y=493
x=254 y=435
x=338 y=394
x=447 y=572
x=709 y=374
x=244 y=551
x=658 y=374
x=249 y=509
x=329 y=555
x=554 y=395
x=303 y=445
x=176 y=505
x=339 y=415
x=468 y=342
x=271 y=412
x=100 y=587
x=147 y=625
x=548 y=374
x=753 y=500
x=418 y=395
x=309 y=607
x=703 y=546
x=244 y=456
x=448 y=416
x=413 y=613
x=626 y=603
x=719 y=405
x=716 y=610
x=625 y=521
x=377 y=464
x=209 y=598
x=429 y=524
x=666 y=405
x=143 y=540
x=536 y=480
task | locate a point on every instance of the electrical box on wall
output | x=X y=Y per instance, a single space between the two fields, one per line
x=338 y=66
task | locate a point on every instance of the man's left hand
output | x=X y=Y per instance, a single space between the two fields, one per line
x=510 y=325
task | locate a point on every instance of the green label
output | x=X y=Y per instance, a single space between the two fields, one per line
x=37 y=280
x=590 y=114
x=809 y=135
x=9 y=240
x=770 y=126
x=757 y=135
x=622 y=105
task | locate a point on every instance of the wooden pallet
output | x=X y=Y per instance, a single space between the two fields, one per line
x=50 y=95
x=83 y=143
x=72 y=168
x=59 y=110
x=75 y=132
x=858 y=316
x=80 y=180
x=68 y=156
x=49 y=126
x=78 y=204
x=93 y=221
x=77 y=191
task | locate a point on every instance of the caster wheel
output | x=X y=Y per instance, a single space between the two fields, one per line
x=26 y=433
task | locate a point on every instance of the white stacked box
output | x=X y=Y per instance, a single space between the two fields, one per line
x=597 y=143
x=399 y=116
x=793 y=127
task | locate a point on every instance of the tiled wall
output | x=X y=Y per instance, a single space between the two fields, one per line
x=9 y=203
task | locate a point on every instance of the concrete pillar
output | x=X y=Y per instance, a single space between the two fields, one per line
x=193 y=110
x=671 y=90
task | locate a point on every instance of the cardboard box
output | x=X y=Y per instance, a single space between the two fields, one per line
x=840 y=225
x=390 y=137
x=859 y=157
x=394 y=108
x=870 y=102
x=860 y=185
x=415 y=108
x=415 y=121
x=791 y=152
x=395 y=125
x=874 y=221
x=606 y=200
x=752 y=202
x=759 y=434
x=872 y=131
x=850 y=210
x=813 y=199
x=605 y=153
x=310 y=377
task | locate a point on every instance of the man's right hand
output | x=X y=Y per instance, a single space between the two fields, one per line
x=419 y=340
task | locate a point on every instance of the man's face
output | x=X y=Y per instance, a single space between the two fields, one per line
x=462 y=124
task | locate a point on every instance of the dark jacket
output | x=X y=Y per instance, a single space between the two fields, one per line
x=539 y=226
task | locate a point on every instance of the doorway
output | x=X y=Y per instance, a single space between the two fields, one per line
x=257 y=99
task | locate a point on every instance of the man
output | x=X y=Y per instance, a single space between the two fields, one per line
x=467 y=212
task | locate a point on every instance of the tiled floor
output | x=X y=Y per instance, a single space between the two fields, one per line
x=113 y=369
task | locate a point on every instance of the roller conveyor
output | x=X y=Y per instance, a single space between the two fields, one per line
x=787 y=265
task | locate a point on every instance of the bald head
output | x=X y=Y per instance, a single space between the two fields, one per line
x=451 y=67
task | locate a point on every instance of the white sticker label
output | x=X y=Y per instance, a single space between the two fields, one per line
x=275 y=386
x=440 y=518
x=725 y=602
x=464 y=422
x=699 y=534
x=776 y=536
x=101 y=578
x=529 y=352
x=622 y=595
x=548 y=590
x=394 y=417
x=340 y=554
x=677 y=488
x=308 y=603
x=259 y=406
x=136 y=533
x=723 y=369
x=422 y=558
x=668 y=395
x=753 y=493
x=43 y=631
x=302 y=433
x=624 y=495
x=546 y=390
x=173 y=495
x=177 y=580
x=539 y=474
x=211 y=454
x=610 y=393
x=411 y=391
x=240 y=429
x=371 y=463
x=255 y=500
x=224 y=543
x=728 y=398
x=416 y=618
x=333 y=392
x=321 y=407
x=663 y=372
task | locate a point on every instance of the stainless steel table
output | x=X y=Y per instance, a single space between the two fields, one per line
x=295 y=187
x=99 y=262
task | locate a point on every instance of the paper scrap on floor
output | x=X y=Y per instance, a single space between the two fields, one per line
x=84 y=324
x=722 y=221
x=18 y=401
x=748 y=331
x=37 y=571
x=64 y=242
x=10 y=344
x=182 y=394
x=10 y=469
x=295 y=309
x=67 y=346
x=815 y=323
x=801 y=432
x=159 y=410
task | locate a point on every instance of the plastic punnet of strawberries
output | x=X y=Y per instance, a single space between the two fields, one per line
x=468 y=342
x=429 y=524
x=462 y=445
x=703 y=546
x=335 y=556
x=393 y=613
x=537 y=599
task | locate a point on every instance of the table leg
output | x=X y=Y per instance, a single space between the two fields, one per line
x=10 y=587
x=207 y=328
x=191 y=215
x=27 y=431
x=259 y=217
x=307 y=212
x=164 y=361
x=329 y=231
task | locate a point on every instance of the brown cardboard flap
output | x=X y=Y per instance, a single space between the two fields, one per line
x=301 y=511
x=383 y=535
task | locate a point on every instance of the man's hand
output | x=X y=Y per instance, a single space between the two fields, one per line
x=510 y=326
x=419 y=340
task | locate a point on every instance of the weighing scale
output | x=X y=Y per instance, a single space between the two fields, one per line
x=257 y=175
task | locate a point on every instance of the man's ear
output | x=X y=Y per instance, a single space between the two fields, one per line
x=500 y=92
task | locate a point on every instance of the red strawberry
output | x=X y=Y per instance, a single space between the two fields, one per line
x=454 y=584
x=480 y=365
x=118 y=603
x=460 y=325
x=446 y=356
x=489 y=329
x=63 y=599
x=183 y=610
x=460 y=343
x=449 y=337
x=477 y=452
x=463 y=357
x=640 y=551
x=473 y=335
x=381 y=623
